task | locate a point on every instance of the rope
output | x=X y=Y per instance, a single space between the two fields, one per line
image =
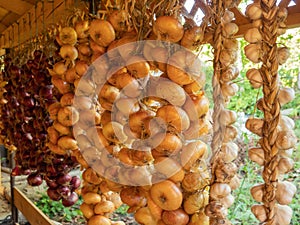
x=271 y=106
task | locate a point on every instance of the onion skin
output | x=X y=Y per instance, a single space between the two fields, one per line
x=168 y=28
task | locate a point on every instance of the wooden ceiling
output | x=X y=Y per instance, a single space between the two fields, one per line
x=15 y=16
x=12 y=10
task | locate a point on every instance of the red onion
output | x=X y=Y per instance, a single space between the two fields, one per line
x=70 y=200
x=53 y=194
x=34 y=179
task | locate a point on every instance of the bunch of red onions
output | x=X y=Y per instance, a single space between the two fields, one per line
x=25 y=118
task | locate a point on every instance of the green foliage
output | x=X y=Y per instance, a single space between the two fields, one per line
x=56 y=211
x=250 y=174
x=122 y=210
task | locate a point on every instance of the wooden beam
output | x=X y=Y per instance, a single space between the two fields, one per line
x=36 y=21
x=293 y=20
x=32 y=213
x=239 y=16
x=17 y=6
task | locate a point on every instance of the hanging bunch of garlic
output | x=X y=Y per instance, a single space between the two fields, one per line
x=277 y=138
x=224 y=178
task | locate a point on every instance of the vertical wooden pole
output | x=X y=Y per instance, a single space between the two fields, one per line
x=14 y=210
x=1 y=188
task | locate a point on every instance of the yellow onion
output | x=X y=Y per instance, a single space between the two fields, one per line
x=254 y=77
x=102 y=32
x=119 y=20
x=127 y=105
x=68 y=52
x=109 y=92
x=98 y=219
x=113 y=131
x=168 y=28
x=60 y=68
x=194 y=181
x=84 y=87
x=253 y=11
x=104 y=207
x=84 y=50
x=144 y=216
x=138 y=66
x=253 y=52
x=87 y=210
x=199 y=219
x=174 y=117
x=68 y=36
x=184 y=67
x=166 y=143
x=196 y=201
x=81 y=28
x=285 y=192
x=192 y=152
x=81 y=67
x=253 y=35
x=196 y=107
x=170 y=168
x=192 y=38
x=91 y=198
x=67 y=143
x=171 y=92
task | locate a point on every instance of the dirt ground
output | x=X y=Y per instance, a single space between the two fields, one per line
x=21 y=184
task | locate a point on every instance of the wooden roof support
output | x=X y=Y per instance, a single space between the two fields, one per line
x=16 y=6
x=36 y=21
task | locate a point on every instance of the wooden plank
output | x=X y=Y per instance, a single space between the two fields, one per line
x=60 y=8
x=293 y=20
x=17 y=6
x=284 y=3
x=1 y=188
x=239 y=16
x=33 y=214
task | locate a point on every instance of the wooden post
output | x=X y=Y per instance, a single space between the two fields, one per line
x=1 y=188
x=33 y=214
